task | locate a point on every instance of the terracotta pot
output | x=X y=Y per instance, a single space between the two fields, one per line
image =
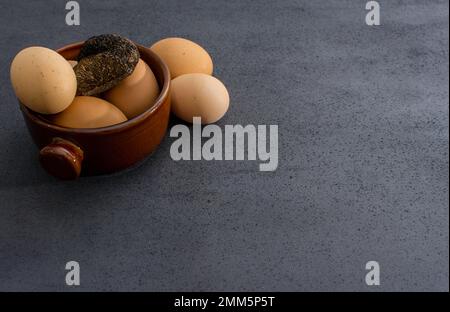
x=66 y=153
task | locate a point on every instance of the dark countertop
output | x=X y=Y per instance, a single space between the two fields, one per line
x=363 y=158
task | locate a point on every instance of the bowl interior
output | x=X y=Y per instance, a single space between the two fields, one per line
x=159 y=69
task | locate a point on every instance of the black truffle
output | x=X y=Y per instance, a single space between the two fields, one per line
x=103 y=62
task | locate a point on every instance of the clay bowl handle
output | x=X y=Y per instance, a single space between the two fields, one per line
x=62 y=159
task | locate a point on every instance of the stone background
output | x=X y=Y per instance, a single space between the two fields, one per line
x=363 y=171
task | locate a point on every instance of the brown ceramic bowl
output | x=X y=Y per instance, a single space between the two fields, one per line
x=66 y=153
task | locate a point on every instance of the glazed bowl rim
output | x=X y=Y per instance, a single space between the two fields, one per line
x=113 y=128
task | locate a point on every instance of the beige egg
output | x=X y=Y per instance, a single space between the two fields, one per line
x=183 y=56
x=199 y=95
x=43 y=80
x=136 y=93
x=89 y=112
x=72 y=63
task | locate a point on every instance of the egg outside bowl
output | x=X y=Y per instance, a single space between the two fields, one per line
x=67 y=152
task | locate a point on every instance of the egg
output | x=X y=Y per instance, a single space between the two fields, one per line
x=183 y=56
x=89 y=112
x=199 y=95
x=136 y=93
x=72 y=63
x=43 y=80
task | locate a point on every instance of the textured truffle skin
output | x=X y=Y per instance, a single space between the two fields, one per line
x=103 y=62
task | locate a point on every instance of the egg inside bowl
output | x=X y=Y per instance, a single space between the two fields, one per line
x=68 y=152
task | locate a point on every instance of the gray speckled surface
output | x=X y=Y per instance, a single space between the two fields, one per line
x=363 y=170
